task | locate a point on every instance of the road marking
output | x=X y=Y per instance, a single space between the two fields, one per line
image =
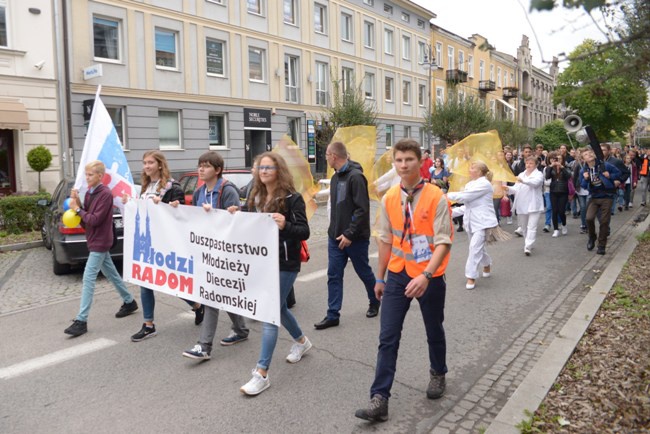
x=54 y=358
x=312 y=276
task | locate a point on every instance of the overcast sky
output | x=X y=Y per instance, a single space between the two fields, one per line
x=503 y=22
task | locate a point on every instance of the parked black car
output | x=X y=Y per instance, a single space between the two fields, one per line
x=68 y=245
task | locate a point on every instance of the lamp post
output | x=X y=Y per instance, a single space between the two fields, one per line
x=429 y=62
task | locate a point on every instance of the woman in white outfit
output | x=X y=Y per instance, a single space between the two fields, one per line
x=529 y=201
x=479 y=216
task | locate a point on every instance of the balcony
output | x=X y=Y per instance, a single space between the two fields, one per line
x=456 y=76
x=510 y=92
x=486 y=86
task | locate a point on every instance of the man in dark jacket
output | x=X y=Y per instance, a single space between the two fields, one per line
x=97 y=219
x=620 y=166
x=348 y=233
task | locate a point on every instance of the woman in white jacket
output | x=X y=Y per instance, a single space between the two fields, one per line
x=529 y=201
x=479 y=216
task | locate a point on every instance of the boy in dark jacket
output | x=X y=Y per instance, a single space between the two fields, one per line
x=97 y=220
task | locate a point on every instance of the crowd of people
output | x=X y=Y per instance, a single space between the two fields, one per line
x=415 y=232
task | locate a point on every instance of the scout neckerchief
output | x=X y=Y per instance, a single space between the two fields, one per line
x=408 y=210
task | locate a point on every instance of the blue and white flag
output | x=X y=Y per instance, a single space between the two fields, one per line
x=103 y=144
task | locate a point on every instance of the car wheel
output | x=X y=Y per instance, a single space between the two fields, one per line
x=47 y=242
x=57 y=268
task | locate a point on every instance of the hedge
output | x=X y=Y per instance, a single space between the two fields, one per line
x=20 y=214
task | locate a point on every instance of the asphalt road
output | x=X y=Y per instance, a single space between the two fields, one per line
x=104 y=383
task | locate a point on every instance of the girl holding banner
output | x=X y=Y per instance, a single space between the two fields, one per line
x=274 y=192
x=159 y=186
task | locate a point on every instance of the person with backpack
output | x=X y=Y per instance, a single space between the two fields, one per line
x=216 y=193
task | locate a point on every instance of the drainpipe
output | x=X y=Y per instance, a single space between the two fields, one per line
x=63 y=87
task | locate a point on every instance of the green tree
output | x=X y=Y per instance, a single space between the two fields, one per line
x=510 y=132
x=551 y=135
x=39 y=159
x=609 y=106
x=455 y=119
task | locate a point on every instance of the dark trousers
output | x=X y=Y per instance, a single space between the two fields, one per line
x=394 y=306
x=602 y=208
x=558 y=208
x=357 y=252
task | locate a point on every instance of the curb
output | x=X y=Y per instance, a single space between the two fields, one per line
x=20 y=246
x=534 y=388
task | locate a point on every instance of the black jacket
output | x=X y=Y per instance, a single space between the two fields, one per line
x=350 y=205
x=174 y=193
x=559 y=184
x=296 y=229
x=622 y=168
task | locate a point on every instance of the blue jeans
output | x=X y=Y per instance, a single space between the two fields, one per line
x=338 y=259
x=270 y=331
x=99 y=261
x=393 y=311
x=149 y=303
x=582 y=201
x=547 y=204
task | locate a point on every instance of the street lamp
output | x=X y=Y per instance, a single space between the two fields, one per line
x=429 y=62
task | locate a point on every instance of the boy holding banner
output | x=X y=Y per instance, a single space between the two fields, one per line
x=216 y=193
x=97 y=220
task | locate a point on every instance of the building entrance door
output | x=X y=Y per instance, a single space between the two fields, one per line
x=7 y=172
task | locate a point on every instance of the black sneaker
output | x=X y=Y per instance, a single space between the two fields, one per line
x=436 y=386
x=197 y=352
x=77 y=328
x=591 y=244
x=127 y=309
x=377 y=410
x=373 y=310
x=198 y=315
x=144 y=333
x=600 y=251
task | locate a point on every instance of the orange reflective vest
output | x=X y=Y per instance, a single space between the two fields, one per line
x=423 y=217
x=644 y=167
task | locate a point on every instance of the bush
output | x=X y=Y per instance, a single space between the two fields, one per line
x=39 y=159
x=21 y=213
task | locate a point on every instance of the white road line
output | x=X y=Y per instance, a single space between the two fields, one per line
x=54 y=358
x=312 y=276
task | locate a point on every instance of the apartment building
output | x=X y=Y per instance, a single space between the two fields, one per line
x=185 y=76
x=28 y=93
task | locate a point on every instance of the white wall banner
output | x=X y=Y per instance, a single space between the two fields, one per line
x=223 y=260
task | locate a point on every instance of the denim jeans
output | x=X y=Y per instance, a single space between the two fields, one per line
x=149 y=303
x=547 y=204
x=338 y=259
x=582 y=200
x=270 y=331
x=99 y=261
x=393 y=311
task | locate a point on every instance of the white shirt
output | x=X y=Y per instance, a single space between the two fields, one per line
x=528 y=192
x=478 y=208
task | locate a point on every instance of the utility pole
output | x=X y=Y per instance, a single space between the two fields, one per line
x=429 y=63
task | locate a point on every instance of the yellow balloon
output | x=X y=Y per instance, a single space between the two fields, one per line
x=70 y=219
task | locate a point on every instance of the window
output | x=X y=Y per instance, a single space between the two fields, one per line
x=492 y=72
x=470 y=66
x=422 y=94
x=440 y=95
x=106 y=37
x=406 y=17
x=169 y=129
x=254 y=7
x=217 y=130
x=439 y=54
x=461 y=60
x=498 y=76
x=320 y=18
x=3 y=24
x=291 y=78
x=512 y=78
x=421 y=23
x=406 y=92
x=165 y=48
x=493 y=107
x=293 y=130
x=256 y=64
x=368 y=34
x=450 y=57
x=346 y=27
x=219 y=2
x=406 y=48
x=422 y=52
x=321 y=83
x=389 y=89
x=421 y=135
x=407 y=132
x=290 y=12
x=369 y=85
x=214 y=56
x=388 y=9
x=369 y=2
x=389 y=136
x=348 y=79
x=505 y=78
x=461 y=96
x=481 y=70
x=117 y=116
x=388 y=41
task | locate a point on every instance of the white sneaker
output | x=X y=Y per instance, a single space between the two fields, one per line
x=298 y=350
x=519 y=232
x=509 y=220
x=556 y=233
x=629 y=205
x=564 y=230
x=256 y=385
x=547 y=228
x=527 y=251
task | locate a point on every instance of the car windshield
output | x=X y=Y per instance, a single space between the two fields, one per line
x=239 y=179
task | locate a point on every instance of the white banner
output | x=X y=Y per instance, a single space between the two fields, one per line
x=223 y=260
